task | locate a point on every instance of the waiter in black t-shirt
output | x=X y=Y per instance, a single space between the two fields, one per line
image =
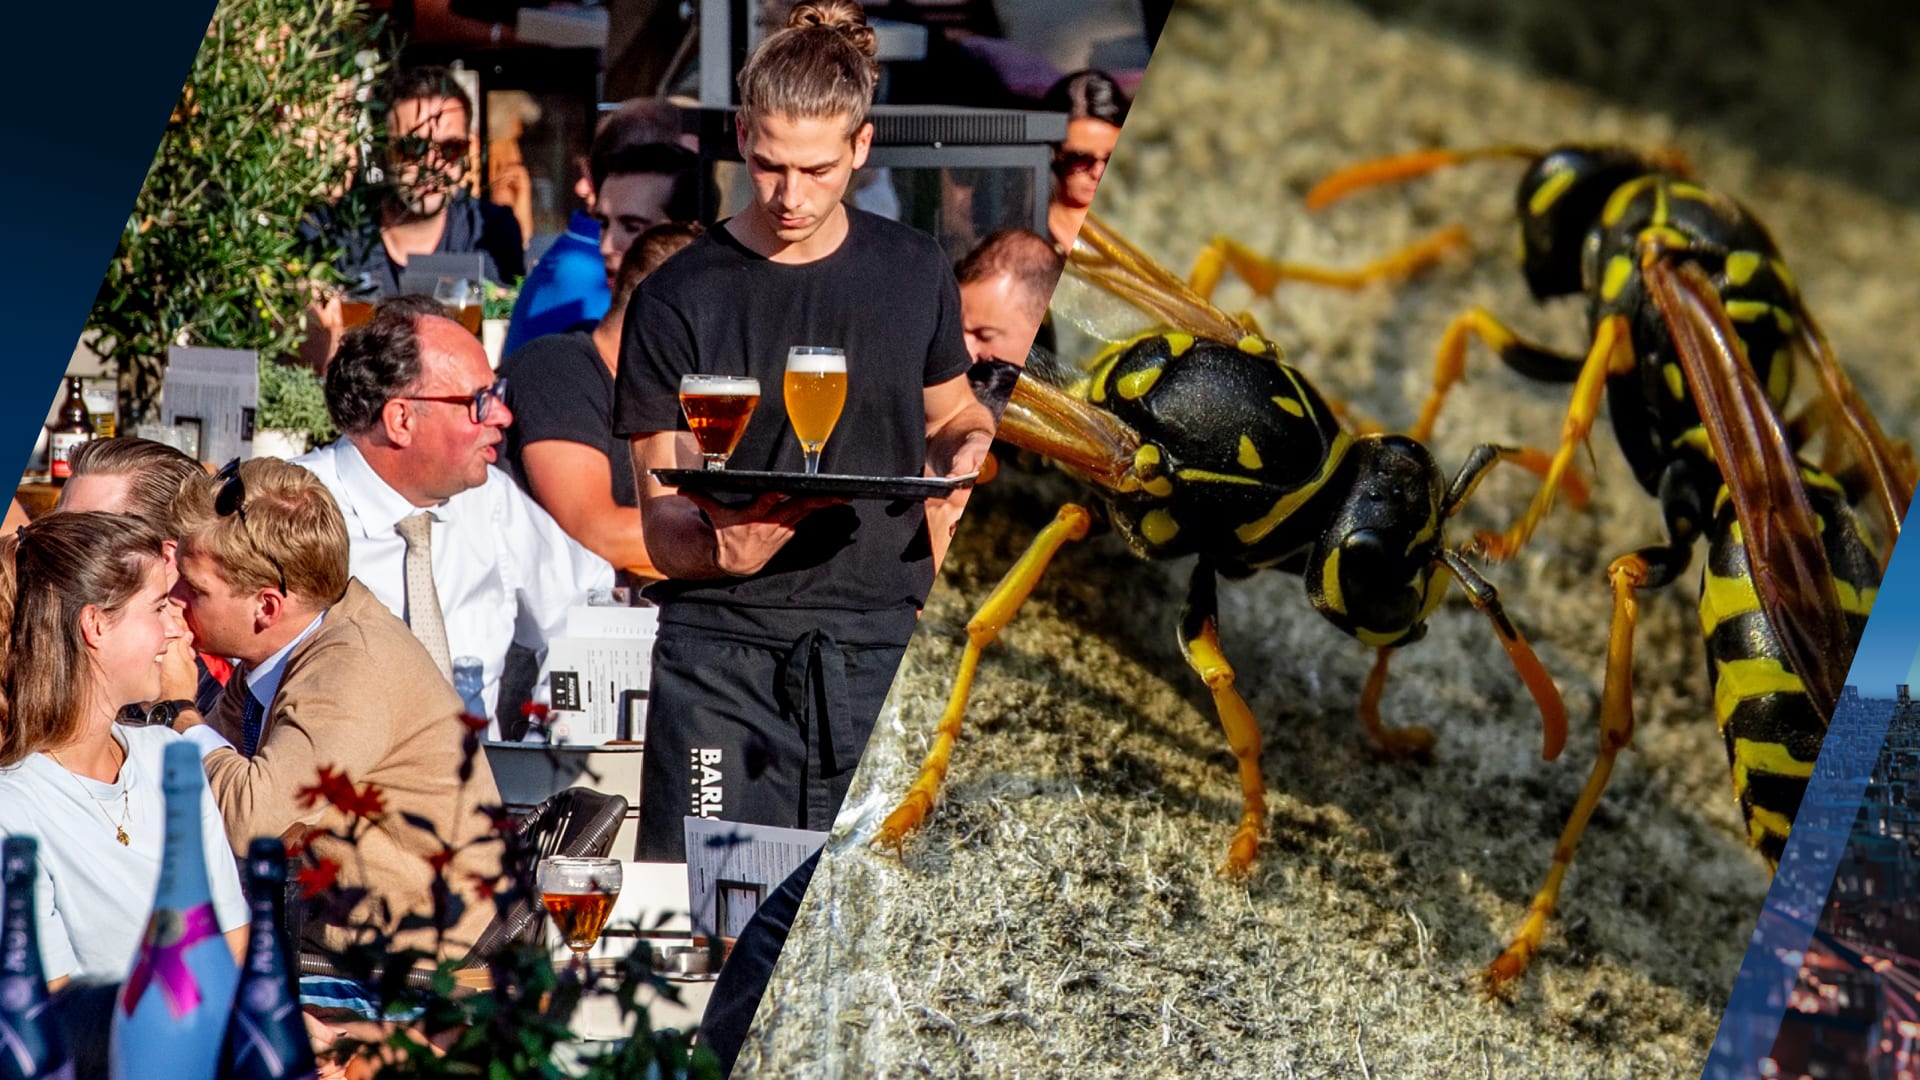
x=782 y=622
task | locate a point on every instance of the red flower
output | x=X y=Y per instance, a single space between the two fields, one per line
x=474 y=723
x=337 y=789
x=317 y=879
x=365 y=803
x=484 y=886
x=535 y=711
x=333 y=787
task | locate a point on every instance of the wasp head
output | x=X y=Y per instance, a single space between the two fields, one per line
x=1560 y=201
x=1374 y=568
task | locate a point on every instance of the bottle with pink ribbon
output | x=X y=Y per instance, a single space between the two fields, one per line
x=172 y=1011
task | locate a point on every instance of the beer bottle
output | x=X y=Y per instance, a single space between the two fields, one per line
x=266 y=1037
x=32 y=1044
x=71 y=428
x=172 y=1010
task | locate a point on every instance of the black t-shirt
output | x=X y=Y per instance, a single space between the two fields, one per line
x=353 y=225
x=887 y=297
x=559 y=389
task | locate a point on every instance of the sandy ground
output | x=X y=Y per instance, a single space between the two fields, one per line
x=1062 y=915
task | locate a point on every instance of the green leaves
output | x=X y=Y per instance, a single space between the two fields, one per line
x=266 y=129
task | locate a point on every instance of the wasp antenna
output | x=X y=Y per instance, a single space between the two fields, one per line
x=1399 y=167
x=1553 y=711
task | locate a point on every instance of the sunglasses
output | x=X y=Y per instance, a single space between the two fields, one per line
x=479 y=403
x=232 y=500
x=1068 y=162
x=418 y=148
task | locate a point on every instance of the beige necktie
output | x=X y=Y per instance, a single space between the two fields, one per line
x=423 y=602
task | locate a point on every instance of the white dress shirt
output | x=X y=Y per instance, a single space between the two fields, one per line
x=504 y=570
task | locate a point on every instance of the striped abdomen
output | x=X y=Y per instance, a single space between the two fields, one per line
x=1772 y=729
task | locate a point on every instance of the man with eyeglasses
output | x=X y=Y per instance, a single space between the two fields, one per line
x=412 y=202
x=448 y=542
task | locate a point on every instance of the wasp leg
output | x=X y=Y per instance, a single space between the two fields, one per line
x=1648 y=568
x=1264 y=275
x=1200 y=640
x=1536 y=362
x=1611 y=354
x=1398 y=741
x=999 y=609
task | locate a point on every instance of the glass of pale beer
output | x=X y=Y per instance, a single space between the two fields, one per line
x=816 y=391
x=461 y=297
x=579 y=894
x=717 y=408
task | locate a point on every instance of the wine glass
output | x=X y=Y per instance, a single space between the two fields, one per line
x=579 y=894
x=718 y=408
x=816 y=391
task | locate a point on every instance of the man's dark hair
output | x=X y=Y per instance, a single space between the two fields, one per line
x=640 y=122
x=1088 y=95
x=377 y=360
x=1031 y=258
x=430 y=81
x=651 y=248
x=665 y=159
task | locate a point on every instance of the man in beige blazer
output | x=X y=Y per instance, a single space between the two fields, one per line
x=330 y=684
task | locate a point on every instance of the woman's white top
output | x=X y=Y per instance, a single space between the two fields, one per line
x=94 y=895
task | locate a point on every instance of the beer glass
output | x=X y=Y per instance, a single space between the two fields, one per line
x=816 y=391
x=579 y=894
x=461 y=297
x=717 y=408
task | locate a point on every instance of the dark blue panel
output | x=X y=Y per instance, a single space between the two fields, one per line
x=88 y=90
x=1820 y=832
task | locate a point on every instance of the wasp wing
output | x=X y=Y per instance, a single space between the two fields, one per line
x=1044 y=419
x=1888 y=470
x=1103 y=258
x=1791 y=573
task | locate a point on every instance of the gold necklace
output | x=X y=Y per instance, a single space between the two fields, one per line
x=126 y=795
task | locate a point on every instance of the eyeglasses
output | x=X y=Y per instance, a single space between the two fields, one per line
x=1068 y=162
x=479 y=403
x=232 y=500
x=418 y=147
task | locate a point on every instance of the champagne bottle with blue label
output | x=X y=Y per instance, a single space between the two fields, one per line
x=266 y=1037
x=32 y=1046
x=171 y=1015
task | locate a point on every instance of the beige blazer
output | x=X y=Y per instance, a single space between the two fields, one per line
x=362 y=697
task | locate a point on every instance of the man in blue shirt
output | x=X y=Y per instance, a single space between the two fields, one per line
x=637 y=176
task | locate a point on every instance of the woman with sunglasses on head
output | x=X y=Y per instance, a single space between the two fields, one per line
x=1095 y=107
x=83 y=599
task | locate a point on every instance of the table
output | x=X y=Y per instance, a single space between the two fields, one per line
x=36 y=497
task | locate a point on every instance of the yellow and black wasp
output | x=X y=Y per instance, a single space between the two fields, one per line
x=1696 y=327
x=1200 y=439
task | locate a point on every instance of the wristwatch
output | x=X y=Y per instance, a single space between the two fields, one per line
x=166 y=712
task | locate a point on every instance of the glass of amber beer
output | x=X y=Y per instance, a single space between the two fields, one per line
x=579 y=894
x=816 y=391
x=717 y=408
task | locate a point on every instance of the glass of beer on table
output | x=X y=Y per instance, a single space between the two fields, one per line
x=461 y=297
x=579 y=894
x=718 y=408
x=816 y=391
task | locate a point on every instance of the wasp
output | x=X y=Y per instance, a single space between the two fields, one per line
x=1697 y=332
x=1199 y=439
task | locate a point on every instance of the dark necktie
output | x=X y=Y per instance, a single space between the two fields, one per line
x=250 y=716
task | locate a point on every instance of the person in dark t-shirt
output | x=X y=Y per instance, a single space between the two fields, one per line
x=782 y=621
x=561 y=448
